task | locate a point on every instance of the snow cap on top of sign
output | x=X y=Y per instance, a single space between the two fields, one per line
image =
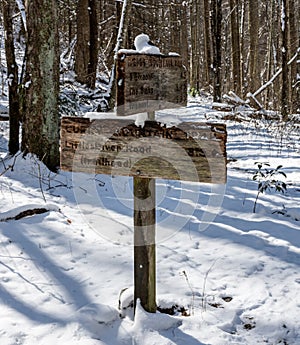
x=143 y=44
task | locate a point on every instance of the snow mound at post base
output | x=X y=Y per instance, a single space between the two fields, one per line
x=144 y=321
x=97 y=314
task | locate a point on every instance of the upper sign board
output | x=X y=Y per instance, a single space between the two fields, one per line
x=190 y=151
x=148 y=83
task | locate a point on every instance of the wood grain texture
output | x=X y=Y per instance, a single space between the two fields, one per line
x=149 y=82
x=190 y=151
x=144 y=243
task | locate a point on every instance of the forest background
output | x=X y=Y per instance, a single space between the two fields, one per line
x=236 y=50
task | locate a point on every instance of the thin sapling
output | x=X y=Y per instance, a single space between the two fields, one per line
x=267 y=179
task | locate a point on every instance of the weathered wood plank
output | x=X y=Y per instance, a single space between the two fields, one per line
x=190 y=151
x=144 y=243
x=149 y=82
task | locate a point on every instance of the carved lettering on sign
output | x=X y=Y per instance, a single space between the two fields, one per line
x=149 y=82
x=190 y=151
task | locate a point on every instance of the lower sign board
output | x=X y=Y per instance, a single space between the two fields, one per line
x=190 y=151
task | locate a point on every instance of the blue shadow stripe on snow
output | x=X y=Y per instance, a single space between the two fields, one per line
x=71 y=288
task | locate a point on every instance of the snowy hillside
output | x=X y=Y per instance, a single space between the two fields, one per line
x=231 y=276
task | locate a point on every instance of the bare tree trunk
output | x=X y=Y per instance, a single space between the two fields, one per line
x=121 y=43
x=235 y=48
x=243 y=29
x=12 y=74
x=269 y=66
x=86 y=58
x=284 y=61
x=40 y=132
x=82 y=52
x=195 y=47
x=93 y=44
x=294 y=43
x=108 y=29
x=216 y=25
x=178 y=29
x=207 y=43
x=254 y=32
x=183 y=47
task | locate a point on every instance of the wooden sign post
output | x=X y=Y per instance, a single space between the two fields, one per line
x=190 y=151
x=144 y=218
x=144 y=242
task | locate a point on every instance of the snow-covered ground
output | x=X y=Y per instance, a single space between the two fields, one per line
x=235 y=273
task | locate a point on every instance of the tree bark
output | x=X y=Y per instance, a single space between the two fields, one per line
x=86 y=52
x=82 y=50
x=216 y=25
x=235 y=48
x=40 y=131
x=294 y=44
x=254 y=33
x=121 y=43
x=284 y=61
x=195 y=75
x=207 y=43
x=183 y=47
x=12 y=74
x=93 y=44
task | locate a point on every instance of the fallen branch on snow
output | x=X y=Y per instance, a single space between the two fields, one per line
x=235 y=100
x=26 y=211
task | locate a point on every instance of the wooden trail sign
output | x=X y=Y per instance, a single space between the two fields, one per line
x=190 y=151
x=149 y=82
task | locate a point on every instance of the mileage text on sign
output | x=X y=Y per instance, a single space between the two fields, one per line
x=149 y=82
x=190 y=151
